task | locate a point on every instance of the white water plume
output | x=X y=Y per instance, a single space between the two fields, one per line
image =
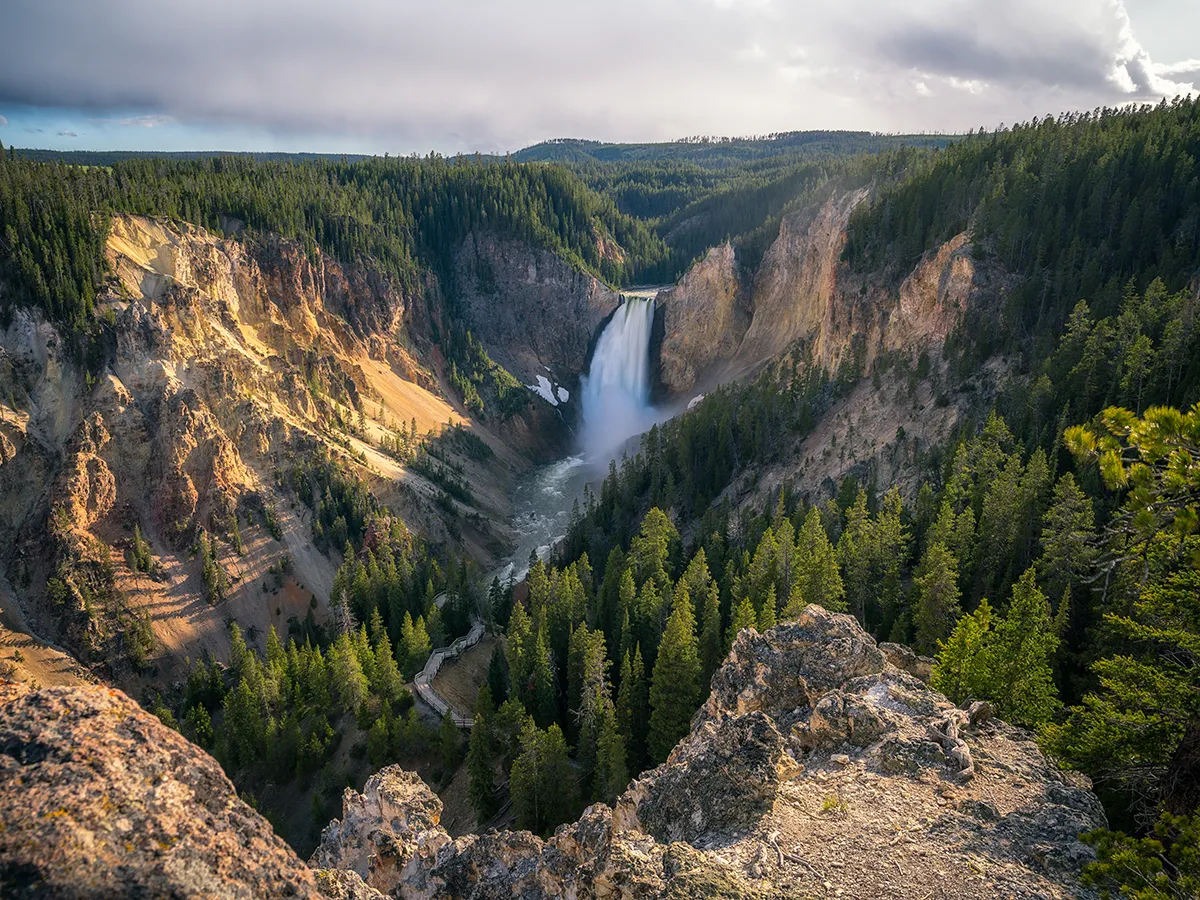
x=616 y=390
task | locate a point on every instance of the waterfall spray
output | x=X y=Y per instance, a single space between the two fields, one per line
x=616 y=390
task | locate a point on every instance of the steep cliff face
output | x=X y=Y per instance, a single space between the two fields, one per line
x=535 y=313
x=704 y=320
x=230 y=360
x=802 y=292
x=821 y=765
x=796 y=289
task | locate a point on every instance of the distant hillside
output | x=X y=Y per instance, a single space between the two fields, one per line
x=721 y=151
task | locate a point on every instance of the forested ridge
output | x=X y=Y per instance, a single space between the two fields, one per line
x=1076 y=205
x=716 y=152
x=397 y=216
x=693 y=205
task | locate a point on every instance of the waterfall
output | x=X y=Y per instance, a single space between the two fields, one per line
x=616 y=390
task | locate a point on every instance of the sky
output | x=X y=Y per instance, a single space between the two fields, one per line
x=405 y=76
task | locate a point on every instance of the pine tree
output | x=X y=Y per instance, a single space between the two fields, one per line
x=937 y=607
x=417 y=653
x=675 y=687
x=386 y=679
x=711 y=646
x=481 y=766
x=611 y=774
x=633 y=708
x=889 y=554
x=541 y=782
x=143 y=561
x=743 y=617
x=518 y=650
x=543 y=695
x=349 y=682
x=198 y=726
x=650 y=549
x=1020 y=677
x=854 y=556
x=593 y=700
x=698 y=580
x=767 y=618
x=817 y=578
x=276 y=658
x=1068 y=529
x=406 y=643
x=961 y=669
x=238 y=654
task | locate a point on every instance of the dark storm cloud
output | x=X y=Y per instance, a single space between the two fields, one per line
x=477 y=73
x=1066 y=61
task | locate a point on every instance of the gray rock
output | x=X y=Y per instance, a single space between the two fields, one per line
x=100 y=799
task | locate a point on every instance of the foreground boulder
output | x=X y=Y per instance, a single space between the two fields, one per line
x=817 y=768
x=99 y=799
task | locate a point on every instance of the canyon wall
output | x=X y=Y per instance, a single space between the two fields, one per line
x=719 y=321
x=721 y=324
x=536 y=314
x=226 y=362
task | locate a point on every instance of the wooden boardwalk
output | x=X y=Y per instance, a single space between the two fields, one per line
x=423 y=683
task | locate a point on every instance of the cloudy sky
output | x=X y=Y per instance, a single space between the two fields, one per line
x=493 y=75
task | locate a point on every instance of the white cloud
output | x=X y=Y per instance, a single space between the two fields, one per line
x=3 y=121
x=152 y=121
x=1183 y=67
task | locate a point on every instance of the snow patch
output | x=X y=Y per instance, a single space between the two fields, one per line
x=544 y=389
x=549 y=391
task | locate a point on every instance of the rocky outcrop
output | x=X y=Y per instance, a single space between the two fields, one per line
x=815 y=768
x=534 y=312
x=704 y=319
x=99 y=799
x=387 y=834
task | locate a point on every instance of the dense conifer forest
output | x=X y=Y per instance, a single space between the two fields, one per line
x=397 y=216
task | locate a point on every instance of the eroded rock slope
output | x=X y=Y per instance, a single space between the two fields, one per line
x=229 y=362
